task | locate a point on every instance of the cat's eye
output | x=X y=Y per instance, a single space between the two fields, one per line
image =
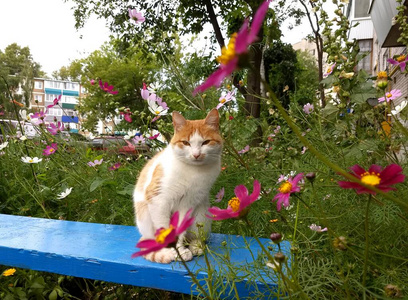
x=185 y=143
x=206 y=142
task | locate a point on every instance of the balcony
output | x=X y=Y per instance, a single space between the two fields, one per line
x=382 y=13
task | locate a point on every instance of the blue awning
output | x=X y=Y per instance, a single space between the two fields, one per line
x=69 y=119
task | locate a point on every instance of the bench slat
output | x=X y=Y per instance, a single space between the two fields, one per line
x=103 y=252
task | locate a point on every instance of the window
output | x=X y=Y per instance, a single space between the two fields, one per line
x=38 y=85
x=361 y=8
x=71 y=86
x=38 y=98
x=365 y=47
x=68 y=99
x=51 y=97
x=53 y=84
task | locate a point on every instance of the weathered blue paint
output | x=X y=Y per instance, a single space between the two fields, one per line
x=103 y=252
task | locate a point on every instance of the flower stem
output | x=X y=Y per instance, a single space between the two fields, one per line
x=296 y=221
x=367 y=240
x=193 y=277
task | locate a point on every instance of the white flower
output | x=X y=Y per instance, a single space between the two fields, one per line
x=153 y=88
x=64 y=193
x=156 y=109
x=29 y=160
x=130 y=134
x=3 y=145
x=23 y=138
x=399 y=108
x=23 y=115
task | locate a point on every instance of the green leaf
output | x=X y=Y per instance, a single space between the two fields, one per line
x=362 y=92
x=96 y=183
x=127 y=191
x=329 y=110
x=53 y=295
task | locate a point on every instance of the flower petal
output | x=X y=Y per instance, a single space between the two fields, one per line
x=358 y=170
x=258 y=21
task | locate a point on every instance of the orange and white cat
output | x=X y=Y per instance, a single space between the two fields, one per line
x=179 y=178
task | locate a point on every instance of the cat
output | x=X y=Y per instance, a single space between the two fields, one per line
x=179 y=178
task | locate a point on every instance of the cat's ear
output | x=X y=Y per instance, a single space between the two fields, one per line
x=178 y=121
x=213 y=119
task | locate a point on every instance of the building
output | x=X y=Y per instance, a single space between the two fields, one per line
x=44 y=93
x=377 y=34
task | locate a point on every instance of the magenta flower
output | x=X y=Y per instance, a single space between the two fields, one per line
x=136 y=16
x=115 y=167
x=144 y=92
x=286 y=188
x=329 y=70
x=219 y=195
x=55 y=102
x=54 y=129
x=238 y=206
x=245 y=150
x=153 y=137
x=165 y=237
x=95 y=162
x=50 y=149
x=237 y=46
x=92 y=81
x=225 y=99
x=400 y=61
x=380 y=178
x=127 y=117
x=308 y=108
x=392 y=95
x=107 y=88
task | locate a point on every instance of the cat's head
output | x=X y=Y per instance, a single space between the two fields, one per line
x=197 y=142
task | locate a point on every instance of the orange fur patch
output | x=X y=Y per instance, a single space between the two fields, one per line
x=154 y=187
x=190 y=127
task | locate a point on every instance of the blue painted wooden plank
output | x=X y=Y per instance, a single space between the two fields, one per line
x=103 y=252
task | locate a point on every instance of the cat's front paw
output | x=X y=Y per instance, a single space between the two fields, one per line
x=185 y=253
x=196 y=248
x=163 y=256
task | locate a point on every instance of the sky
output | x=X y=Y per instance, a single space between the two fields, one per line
x=47 y=27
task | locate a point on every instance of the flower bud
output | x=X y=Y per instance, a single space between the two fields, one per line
x=276 y=237
x=279 y=257
x=340 y=243
x=310 y=176
x=393 y=291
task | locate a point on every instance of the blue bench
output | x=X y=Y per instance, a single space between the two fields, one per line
x=103 y=252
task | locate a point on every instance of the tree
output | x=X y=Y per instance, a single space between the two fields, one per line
x=164 y=17
x=17 y=71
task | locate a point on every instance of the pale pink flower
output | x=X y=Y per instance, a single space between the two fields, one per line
x=392 y=95
x=219 y=195
x=136 y=16
x=246 y=149
x=308 y=108
x=224 y=99
x=317 y=228
x=95 y=162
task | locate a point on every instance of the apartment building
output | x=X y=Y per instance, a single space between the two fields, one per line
x=44 y=93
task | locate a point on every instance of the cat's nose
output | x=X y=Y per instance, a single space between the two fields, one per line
x=196 y=156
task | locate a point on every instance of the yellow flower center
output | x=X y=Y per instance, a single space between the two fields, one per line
x=52 y=150
x=234 y=203
x=228 y=53
x=163 y=233
x=223 y=100
x=389 y=95
x=371 y=178
x=329 y=70
x=401 y=58
x=382 y=75
x=285 y=187
x=157 y=112
x=31 y=160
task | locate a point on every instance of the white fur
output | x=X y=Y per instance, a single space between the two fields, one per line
x=189 y=173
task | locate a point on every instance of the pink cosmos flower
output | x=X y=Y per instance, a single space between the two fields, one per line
x=308 y=108
x=394 y=94
x=144 y=92
x=317 y=228
x=400 y=61
x=165 y=237
x=92 y=81
x=237 y=46
x=286 y=188
x=50 y=149
x=95 y=162
x=246 y=149
x=225 y=99
x=380 y=178
x=219 y=195
x=107 y=88
x=55 y=102
x=161 y=103
x=329 y=70
x=237 y=206
x=136 y=16
x=54 y=129
x=127 y=117
x=115 y=167
x=139 y=139
x=153 y=137
x=38 y=118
